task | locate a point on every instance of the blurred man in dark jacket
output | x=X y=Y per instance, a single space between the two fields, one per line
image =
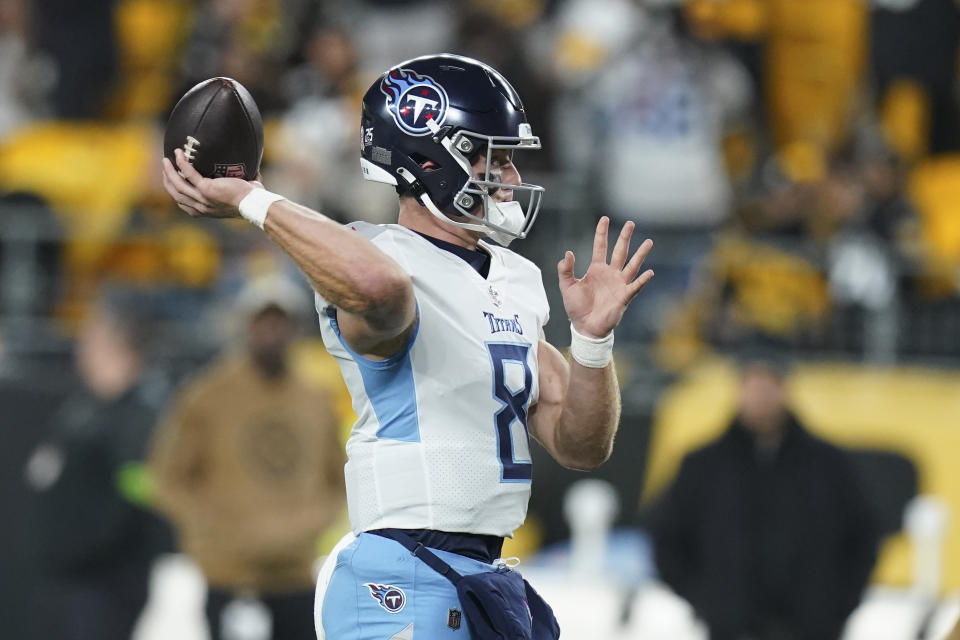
x=765 y=531
x=94 y=543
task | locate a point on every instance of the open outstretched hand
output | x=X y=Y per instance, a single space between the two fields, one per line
x=203 y=197
x=595 y=303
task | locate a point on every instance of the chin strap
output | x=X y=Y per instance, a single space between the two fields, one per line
x=506 y=218
x=425 y=200
x=510 y=213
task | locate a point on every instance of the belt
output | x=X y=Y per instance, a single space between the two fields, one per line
x=482 y=547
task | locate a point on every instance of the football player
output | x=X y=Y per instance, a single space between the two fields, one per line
x=437 y=327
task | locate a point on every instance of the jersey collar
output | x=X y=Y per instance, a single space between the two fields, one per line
x=478 y=260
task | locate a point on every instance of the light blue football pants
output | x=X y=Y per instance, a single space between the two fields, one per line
x=372 y=588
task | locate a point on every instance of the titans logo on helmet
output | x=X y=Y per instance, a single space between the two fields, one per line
x=413 y=99
x=390 y=597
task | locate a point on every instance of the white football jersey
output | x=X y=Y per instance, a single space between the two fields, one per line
x=441 y=439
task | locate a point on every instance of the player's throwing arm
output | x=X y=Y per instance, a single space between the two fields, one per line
x=342 y=265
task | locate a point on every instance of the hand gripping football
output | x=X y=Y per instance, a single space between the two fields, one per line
x=219 y=128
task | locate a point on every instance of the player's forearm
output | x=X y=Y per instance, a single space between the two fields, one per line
x=346 y=268
x=590 y=417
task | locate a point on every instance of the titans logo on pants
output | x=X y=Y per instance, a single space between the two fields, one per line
x=413 y=100
x=390 y=597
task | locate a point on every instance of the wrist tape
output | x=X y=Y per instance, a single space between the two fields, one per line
x=255 y=204
x=595 y=353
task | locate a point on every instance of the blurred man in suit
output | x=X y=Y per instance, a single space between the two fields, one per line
x=765 y=530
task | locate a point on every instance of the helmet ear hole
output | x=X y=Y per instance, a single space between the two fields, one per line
x=425 y=163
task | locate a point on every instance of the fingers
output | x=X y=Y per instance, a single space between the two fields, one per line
x=186 y=203
x=635 y=287
x=600 y=240
x=191 y=210
x=192 y=206
x=565 y=270
x=176 y=186
x=622 y=248
x=633 y=267
x=190 y=174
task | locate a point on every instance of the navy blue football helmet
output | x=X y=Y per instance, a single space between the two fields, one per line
x=426 y=121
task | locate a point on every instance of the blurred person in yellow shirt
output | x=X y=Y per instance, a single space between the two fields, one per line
x=813 y=60
x=249 y=468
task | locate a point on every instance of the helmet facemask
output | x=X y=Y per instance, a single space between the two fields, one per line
x=501 y=221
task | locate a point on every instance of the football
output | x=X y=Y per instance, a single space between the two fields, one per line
x=219 y=128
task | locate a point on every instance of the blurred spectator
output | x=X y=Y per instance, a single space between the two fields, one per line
x=747 y=286
x=329 y=69
x=763 y=275
x=934 y=189
x=493 y=33
x=30 y=256
x=150 y=34
x=239 y=39
x=870 y=223
x=815 y=53
x=651 y=123
x=914 y=47
x=314 y=151
x=883 y=175
x=80 y=39
x=388 y=31
x=19 y=75
x=807 y=54
x=249 y=468
x=765 y=531
x=213 y=25
x=95 y=542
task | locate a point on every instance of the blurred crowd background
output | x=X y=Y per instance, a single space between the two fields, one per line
x=797 y=163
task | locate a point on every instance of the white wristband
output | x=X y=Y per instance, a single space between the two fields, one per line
x=255 y=204
x=595 y=353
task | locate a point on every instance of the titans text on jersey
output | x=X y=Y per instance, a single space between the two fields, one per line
x=504 y=324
